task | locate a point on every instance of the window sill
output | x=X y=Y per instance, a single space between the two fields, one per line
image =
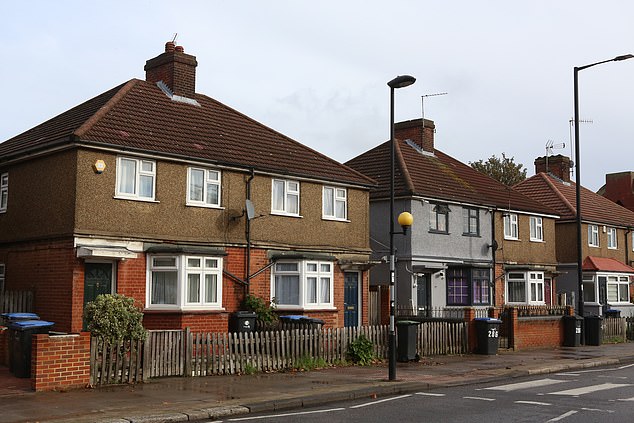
x=593 y=246
x=511 y=239
x=431 y=231
x=143 y=200
x=334 y=219
x=204 y=206
x=471 y=235
x=277 y=213
x=538 y=240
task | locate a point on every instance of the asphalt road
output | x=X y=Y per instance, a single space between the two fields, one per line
x=593 y=395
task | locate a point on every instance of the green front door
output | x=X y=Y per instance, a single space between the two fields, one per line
x=97 y=281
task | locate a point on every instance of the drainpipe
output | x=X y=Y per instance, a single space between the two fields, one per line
x=493 y=250
x=248 y=235
x=627 y=247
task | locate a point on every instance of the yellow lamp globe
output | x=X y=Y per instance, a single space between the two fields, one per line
x=405 y=219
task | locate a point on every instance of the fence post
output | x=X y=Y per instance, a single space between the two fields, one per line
x=147 y=357
x=187 y=352
x=469 y=318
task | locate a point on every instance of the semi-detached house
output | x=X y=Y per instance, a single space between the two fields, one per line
x=165 y=195
x=474 y=241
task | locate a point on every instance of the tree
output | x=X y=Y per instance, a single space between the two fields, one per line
x=504 y=170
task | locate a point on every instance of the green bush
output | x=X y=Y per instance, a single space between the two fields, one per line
x=361 y=351
x=114 y=317
x=264 y=310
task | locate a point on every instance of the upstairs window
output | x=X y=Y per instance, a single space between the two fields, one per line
x=593 y=235
x=136 y=178
x=4 y=192
x=335 y=203
x=612 y=238
x=511 y=230
x=285 y=197
x=537 y=230
x=439 y=219
x=470 y=222
x=203 y=187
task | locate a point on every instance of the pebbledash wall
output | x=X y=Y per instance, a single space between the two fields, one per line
x=52 y=271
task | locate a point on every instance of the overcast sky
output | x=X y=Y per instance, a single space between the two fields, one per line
x=317 y=70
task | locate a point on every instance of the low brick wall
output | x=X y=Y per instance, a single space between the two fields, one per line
x=60 y=361
x=538 y=332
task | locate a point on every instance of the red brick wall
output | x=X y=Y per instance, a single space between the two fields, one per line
x=49 y=269
x=60 y=362
x=213 y=321
x=532 y=333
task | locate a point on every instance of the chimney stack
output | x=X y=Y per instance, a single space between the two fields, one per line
x=558 y=166
x=421 y=135
x=175 y=68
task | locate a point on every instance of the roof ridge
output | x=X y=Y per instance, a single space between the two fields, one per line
x=404 y=169
x=87 y=125
x=557 y=192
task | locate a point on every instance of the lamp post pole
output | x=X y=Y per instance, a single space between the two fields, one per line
x=578 y=178
x=398 y=82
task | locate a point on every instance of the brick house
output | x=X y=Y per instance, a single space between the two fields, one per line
x=606 y=238
x=166 y=195
x=458 y=252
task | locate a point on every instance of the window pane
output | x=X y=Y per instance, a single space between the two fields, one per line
x=324 y=290
x=278 y=195
x=287 y=289
x=164 y=261
x=341 y=210
x=286 y=267
x=196 y=184
x=193 y=288
x=211 y=288
x=624 y=293
x=457 y=287
x=325 y=267
x=211 y=263
x=613 y=292
x=212 y=194
x=146 y=186
x=212 y=175
x=127 y=183
x=328 y=202
x=311 y=290
x=588 y=292
x=292 y=203
x=193 y=262
x=164 y=287
x=517 y=291
x=147 y=166
x=311 y=267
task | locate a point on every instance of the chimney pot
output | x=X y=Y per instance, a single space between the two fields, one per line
x=169 y=46
x=179 y=49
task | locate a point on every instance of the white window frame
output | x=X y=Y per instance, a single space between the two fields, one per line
x=4 y=192
x=183 y=268
x=537 y=229
x=612 y=238
x=338 y=202
x=618 y=285
x=511 y=226
x=138 y=174
x=211 y=177
x=290 y=196
x=532 y=284
x=590 y=294
x=307 y=272
x=593 y=235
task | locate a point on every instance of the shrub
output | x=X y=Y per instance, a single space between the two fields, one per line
x=361 y=351
x=264 y=310
x=114 y=317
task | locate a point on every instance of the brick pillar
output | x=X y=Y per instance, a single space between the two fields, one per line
x=469 y=317
x=60 y=361
x=514 y=335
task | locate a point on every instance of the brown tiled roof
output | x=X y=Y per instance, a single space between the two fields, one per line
x=605 y=264
x=438 y=176
x=138 y=116
x=562 y=197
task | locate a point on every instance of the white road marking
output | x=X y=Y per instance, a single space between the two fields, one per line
x=380 y=401
x=590 y=389
x=532 y=403
x=479 y=398
x=271 y=416
x=597 y=409
x=526 y=385
x=430 y=394
x=627 y=399
x=563 y=416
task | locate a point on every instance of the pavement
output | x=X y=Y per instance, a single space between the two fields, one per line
x=180 y=399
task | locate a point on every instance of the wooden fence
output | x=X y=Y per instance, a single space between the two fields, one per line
x=182 y=353
x=16 y=302
x=614 y=329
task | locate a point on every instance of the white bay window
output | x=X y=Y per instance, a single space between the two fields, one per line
x=306 y=284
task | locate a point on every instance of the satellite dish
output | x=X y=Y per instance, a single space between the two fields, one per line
x=250 y=209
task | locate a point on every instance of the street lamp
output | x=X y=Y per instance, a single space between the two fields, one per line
x=398 y=82
x=578 y=175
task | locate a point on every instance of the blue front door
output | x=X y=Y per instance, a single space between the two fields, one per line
x=351 y=299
